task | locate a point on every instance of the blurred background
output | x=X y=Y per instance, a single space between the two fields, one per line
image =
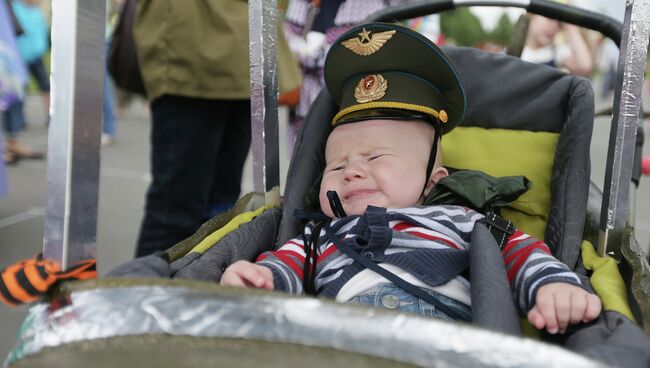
x=125 y=168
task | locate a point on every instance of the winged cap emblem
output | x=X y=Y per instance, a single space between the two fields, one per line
x=365 y=45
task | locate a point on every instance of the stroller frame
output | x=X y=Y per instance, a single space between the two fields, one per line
x=69 y=290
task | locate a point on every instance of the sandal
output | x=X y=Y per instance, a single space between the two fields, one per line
x=19 y=150
x=10 y=159
x=33 y=155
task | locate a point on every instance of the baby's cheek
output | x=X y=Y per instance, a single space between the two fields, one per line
x=325 y=205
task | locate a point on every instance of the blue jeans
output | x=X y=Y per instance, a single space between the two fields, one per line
x=109 y=104
x=14 y=120
x=389 y=296
x=37 y=69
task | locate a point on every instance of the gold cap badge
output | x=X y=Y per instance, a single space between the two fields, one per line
x=370 y=88
x=365 y=45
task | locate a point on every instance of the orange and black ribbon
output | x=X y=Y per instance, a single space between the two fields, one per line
x=29 y=280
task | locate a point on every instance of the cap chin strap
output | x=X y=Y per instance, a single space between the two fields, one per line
x=335 y=204
x=432 y=156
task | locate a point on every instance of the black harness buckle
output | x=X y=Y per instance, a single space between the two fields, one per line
x=500 y=228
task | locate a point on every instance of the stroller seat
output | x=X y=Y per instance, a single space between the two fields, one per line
x=522 y=119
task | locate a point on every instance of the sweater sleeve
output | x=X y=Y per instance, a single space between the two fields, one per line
x=530 y=265
x=286 y=264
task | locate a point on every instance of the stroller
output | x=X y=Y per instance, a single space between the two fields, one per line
x=156 y=310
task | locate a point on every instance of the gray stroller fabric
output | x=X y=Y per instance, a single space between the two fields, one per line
x=493 y=306
x=154 y=265
x=245 y=243
x=615 y=340
x=539 y=99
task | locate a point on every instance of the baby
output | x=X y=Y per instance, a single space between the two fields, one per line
x=381 y=161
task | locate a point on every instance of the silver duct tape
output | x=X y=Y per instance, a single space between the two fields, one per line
x=627 y=106
x=78 y=28
x=264 y=94
x=245 y=314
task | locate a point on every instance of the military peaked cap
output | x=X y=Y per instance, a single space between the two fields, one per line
x=387 y=71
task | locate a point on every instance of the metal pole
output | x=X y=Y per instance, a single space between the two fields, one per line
x=78 y=28
x=262 y=23
x=627 y=106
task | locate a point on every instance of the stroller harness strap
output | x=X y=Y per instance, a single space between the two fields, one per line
x=399 y=282
x=499 y=227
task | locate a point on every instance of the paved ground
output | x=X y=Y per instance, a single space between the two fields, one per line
x=124 y=179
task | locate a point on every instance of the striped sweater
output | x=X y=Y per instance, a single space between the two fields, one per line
x=419 y=240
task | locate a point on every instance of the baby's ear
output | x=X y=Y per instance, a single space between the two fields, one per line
x=436 y=174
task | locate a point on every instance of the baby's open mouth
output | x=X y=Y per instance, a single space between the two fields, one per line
x=360 y=193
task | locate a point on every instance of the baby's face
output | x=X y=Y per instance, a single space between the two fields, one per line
x=376 y=162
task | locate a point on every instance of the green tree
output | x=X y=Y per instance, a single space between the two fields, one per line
x=503 y=30
x=463 y=27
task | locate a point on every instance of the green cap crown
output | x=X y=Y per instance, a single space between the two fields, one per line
x=384 y=70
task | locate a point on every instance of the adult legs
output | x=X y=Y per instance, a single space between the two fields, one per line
x=37 y=69
x=227 y=173
x=14 y=124
x=186 y=138
x=108 y=128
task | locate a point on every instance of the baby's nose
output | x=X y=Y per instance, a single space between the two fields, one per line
x=354 y=171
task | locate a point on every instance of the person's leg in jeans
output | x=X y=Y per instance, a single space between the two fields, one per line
x=231 y=157
x=14 y=124
x=186 y=135
x=37 y=70
x=3 y=181
x=12 y=128
x=108 y=128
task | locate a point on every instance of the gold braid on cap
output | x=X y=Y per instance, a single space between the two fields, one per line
x=440 y=115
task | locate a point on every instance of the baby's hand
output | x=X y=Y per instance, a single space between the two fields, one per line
x=559 y=305
x=247 y=274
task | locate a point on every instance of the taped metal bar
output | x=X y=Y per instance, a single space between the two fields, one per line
x=78 y=28
x=262 y=23
x=627 y=107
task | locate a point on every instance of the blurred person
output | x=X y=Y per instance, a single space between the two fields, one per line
x=544 y=47
x=122 y=61
x=13 y=78
x=193 y=57
x=429 y=26
x=311 y=26
x=33 y=44
x=108 y=126
x=608 y=65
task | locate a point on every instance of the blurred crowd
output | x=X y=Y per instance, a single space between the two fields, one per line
x=190 y=67
x=25 y=54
